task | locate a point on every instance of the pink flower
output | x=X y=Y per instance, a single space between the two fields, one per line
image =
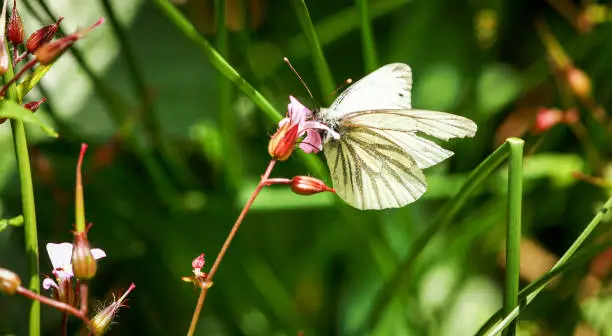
x=61 y=255
x=546 y=119
x=298 y=114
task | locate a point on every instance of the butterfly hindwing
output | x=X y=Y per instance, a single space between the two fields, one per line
x=371 y=171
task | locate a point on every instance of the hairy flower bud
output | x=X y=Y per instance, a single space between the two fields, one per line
x=84 y=264
x=42 y=36
x=9 y=281
x=14 y=29
x=306 y=185
x=49 y=52
x=102 y=321
x=282 y=143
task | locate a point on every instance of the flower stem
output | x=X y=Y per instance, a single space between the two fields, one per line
x=228 y=241
x=55 y=304
x=27 y=199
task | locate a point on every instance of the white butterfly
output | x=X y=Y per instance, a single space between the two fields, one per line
x=377 y=160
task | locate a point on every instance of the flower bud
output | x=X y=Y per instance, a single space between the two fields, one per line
x=15 y=32
x=282 y=143
x=102 y=321
x=198 y=262
x=571 y=116
x=546 y=119
x=306 y=185
x=579 y=82
x=84 y=264
x=9 y=281
x=49 y=52
x=42 y=36
x=33 y=106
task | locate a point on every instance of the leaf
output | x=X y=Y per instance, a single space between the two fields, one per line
x=31 y=80
x=10 y=109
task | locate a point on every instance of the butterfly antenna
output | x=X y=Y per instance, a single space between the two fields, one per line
x=348 y=81
x=286 y=60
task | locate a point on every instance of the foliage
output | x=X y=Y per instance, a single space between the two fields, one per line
x=175 y=153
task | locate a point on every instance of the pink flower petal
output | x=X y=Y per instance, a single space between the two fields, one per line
x=48 y=283
x=312 y=143
x=297 y=111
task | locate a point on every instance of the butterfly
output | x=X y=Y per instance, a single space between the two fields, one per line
x=377 y=161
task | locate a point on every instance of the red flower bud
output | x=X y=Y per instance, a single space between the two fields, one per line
x=48 y=53
x=84 y=264
x=15 y=32
x=306 y=185
x=33 y=106
x=198 y=262
x=282 y=143
x=42 y=36
x=9 y=281
x=546 y=119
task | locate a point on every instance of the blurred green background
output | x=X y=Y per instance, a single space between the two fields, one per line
x=175 y=151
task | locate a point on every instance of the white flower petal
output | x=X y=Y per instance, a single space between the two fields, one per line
x=98 y=253
x=60 y=255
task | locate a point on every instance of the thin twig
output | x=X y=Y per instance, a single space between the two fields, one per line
x=208 y=283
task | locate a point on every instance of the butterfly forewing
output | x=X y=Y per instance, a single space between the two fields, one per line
x=386 y=88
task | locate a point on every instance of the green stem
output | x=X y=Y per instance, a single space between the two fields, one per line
x=513 y=228
x=368 y=45
x=27 y=202
x=509 y=317
x=326 y=80
x=227 y=118
x=400 y=278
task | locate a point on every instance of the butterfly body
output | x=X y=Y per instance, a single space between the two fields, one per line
x=377 y=161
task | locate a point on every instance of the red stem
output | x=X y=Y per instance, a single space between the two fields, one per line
x=16 y=77
x=84 y=293
x=228 y=241
x=55 y=304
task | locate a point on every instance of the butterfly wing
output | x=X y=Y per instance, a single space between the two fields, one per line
x=370 y=171
x=377 y=161
x=401 y=126
x=386 y=88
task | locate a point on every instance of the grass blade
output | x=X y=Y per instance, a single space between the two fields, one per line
x=368 y=45
x=513 y=227
x=399 y=279
x=227 y=119
x=328 y=85
x=508 y=318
